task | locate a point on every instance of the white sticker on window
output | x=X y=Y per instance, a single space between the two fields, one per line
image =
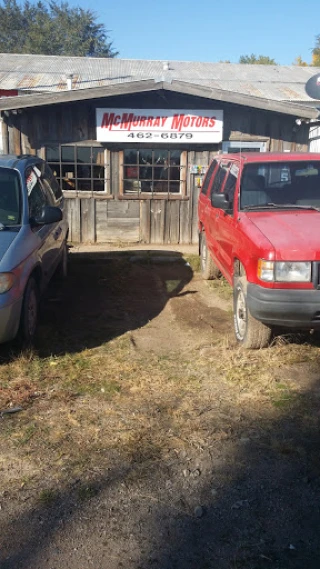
x=234 y=170
x=31 y=181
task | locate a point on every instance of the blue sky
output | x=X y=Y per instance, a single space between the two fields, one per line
x=205 y=30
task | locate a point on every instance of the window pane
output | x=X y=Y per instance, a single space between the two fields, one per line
x=55 y=170
x=84 y=171
x=97 y=156
x=98 y=172
x=159 y=156
x=53 y=154
x=145 y=156
x=67 y=154
x=98 y=185
x=84 y=185
x=84 y=154
x=130 y=156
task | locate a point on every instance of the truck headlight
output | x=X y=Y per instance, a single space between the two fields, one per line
x=6 y=282
x=284 y=271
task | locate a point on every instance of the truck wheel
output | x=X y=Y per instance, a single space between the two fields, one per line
x=250 y=333
x=209 y=269
x=29 y=313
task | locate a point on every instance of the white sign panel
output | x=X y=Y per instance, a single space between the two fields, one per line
x=159 y=125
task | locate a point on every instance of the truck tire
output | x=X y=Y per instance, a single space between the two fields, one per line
x=209 y=269
x=250 y=333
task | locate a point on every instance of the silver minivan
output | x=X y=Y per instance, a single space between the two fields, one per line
x=33 y=241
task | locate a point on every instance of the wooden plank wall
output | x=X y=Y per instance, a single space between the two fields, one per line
x=160 y=221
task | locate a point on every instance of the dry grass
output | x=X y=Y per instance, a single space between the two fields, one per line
x=82 y=411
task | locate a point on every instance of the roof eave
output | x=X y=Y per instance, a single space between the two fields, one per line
x=46 y=99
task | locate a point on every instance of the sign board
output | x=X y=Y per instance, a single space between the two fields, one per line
x=159 y=126
x=312 y=87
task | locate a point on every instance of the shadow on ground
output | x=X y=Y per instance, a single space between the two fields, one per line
x=104 y=296
x=253 y=505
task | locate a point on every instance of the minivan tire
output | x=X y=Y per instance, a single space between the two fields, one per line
x=209 y=269
x=62 y=269
x=250 y=333
x=29 y=313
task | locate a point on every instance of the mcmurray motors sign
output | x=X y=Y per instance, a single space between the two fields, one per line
x=159 y=125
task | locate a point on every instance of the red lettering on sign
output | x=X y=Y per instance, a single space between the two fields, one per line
x=126 y=121
x=212 y=122
x=107 y=120
x=177 y=122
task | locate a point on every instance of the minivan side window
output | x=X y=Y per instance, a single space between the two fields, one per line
x=208 y=177
x=36 y=197
x=219 y=178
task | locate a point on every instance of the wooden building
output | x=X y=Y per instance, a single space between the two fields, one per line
x=131 y=156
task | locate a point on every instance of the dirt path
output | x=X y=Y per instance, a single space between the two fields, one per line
x=147 y=439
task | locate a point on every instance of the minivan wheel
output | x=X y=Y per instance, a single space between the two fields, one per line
x=62 y=270
x=209 y=269
x=250 y=333
x=29 y=313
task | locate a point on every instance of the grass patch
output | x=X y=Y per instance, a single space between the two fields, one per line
x=222 y=288
x=193 y=261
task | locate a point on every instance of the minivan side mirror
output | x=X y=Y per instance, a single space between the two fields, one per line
x=49 y=214
x=219 y=201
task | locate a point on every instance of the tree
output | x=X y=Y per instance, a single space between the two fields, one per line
x=52 y=29
x=316 y=53
x=299 y=62
x=257 y=60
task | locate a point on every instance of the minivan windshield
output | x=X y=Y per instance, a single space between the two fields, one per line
x=10 y=198
x=280 y=184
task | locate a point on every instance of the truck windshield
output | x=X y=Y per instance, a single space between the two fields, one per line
x=280 y=183
x=10 y=198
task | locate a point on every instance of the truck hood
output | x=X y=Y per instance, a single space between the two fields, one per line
x=294 y=234
x=6 y=238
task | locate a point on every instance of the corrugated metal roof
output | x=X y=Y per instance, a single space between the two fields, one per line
x=49 y=73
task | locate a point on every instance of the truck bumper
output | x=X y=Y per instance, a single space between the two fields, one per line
x=279 y=307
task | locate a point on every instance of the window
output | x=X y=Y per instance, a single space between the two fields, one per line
x=81 y=168
x=281 y=183
x=232 y=146
x=153 y=171
x=219 y=178
x=208 y=177
x=37 y=197
x=10 y=197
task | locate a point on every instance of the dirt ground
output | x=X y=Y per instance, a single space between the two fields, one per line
x=146 y=438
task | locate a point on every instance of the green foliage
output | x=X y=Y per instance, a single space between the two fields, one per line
x=257 y=60
x=316 y=53
x=299 y=62
x=52 y=29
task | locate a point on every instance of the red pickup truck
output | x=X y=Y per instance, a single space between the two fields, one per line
x=259 y=225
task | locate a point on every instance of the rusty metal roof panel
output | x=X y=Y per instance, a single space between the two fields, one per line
x=49 y=73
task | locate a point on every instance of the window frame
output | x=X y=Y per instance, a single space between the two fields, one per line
x=238 y=144
x=140 y=195
x=106 y=192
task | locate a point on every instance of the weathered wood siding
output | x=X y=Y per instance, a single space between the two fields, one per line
x=101 y=218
